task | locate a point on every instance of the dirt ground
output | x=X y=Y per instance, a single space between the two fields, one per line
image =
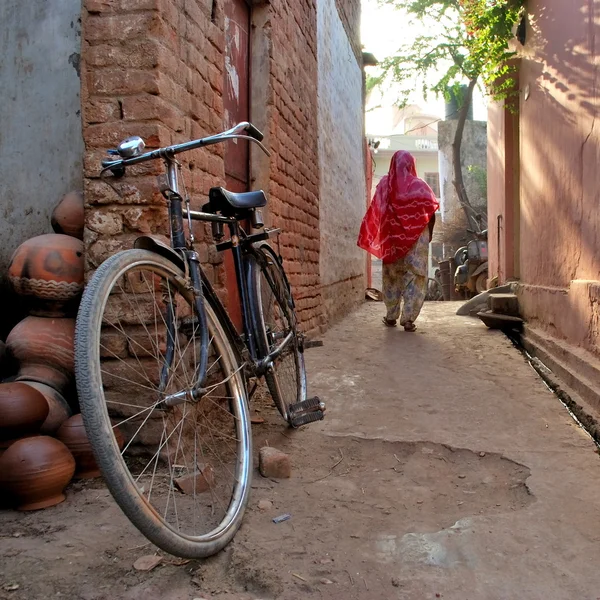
x=444 y=469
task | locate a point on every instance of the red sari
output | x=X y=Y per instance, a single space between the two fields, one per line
x=401 y=209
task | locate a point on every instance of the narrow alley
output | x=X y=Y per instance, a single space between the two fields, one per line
x=444 y=469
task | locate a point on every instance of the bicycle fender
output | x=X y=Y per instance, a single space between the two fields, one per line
x=148 y=242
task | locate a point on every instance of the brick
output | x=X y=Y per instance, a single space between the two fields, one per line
x=117 y=81
x=215 y=78
x=146 y=220
x=109 y=135
x=104 y=222
x=89 y=237
x=98 y=252
x=140 y=191
x=108 y=6
x=274 y=463
x=198 y=482
x=113 y=344
x=101 y=111
x=142 y=54
x=146 y=107
x=123 y=27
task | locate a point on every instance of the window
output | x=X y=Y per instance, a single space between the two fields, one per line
x=433 y=181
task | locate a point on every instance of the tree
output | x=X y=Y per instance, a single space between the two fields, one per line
x=467 y=42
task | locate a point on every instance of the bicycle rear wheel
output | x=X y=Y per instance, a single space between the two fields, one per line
x=180 y=473
x=274 y=319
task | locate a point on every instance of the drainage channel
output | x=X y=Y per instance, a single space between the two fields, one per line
x=584 y=421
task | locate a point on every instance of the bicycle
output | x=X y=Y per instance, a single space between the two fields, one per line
x=163 y=375
x=434 y=288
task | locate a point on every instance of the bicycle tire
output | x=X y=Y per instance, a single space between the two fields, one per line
x=274 y=316
x=94 y=368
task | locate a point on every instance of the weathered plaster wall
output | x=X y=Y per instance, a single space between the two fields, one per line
x=41 y=145
x=473 y=152
x=349 y=11
x=560 y=179
x=342 y=164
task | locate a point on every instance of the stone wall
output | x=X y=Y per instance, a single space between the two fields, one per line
x=155 y=68
x=342 y=162
x=473 y=153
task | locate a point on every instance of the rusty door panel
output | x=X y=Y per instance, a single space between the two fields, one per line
x=236 y=104
x=236 y=89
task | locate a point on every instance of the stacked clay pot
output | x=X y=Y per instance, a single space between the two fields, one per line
x=23 y=411
x=72 y=434
x=46 y=272
x=35 y=471
x=68 y=216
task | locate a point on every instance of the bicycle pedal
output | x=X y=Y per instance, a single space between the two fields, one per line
x=308 y=405
x=306 y=418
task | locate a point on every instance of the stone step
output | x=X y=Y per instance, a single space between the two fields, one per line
x=504 y=304
x=500 y=321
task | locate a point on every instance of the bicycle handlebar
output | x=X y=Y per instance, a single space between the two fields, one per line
x=242 y=130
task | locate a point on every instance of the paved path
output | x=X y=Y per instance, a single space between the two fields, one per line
x=456 y=384
x=445 y=469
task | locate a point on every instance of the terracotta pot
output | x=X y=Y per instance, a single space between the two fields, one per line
x=73 y=435
x=23 y=410
x=44 y=350
x=47 y=271
x=35 y=471
x=68 y=215
x=58 y=408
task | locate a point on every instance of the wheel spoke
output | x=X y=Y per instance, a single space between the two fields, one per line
x=183 y=462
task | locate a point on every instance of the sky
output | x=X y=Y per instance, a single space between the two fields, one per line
x=383 y=30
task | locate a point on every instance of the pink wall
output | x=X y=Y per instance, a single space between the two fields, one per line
x=558 y=159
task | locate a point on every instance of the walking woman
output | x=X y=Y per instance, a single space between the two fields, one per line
x=397 y=229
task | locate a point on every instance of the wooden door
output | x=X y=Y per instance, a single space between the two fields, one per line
x=236 y=104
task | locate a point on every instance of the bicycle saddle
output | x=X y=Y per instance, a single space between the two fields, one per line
x=227 y=202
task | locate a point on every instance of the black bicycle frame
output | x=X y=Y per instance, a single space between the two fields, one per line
x=203 y=288
x=240 y=244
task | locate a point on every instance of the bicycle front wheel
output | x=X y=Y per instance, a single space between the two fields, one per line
x=274 y=319
x=180 y=471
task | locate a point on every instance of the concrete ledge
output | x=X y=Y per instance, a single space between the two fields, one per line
x=578 y=373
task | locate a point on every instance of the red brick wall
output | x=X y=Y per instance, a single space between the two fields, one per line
x=155 y=68
x=294 y=173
